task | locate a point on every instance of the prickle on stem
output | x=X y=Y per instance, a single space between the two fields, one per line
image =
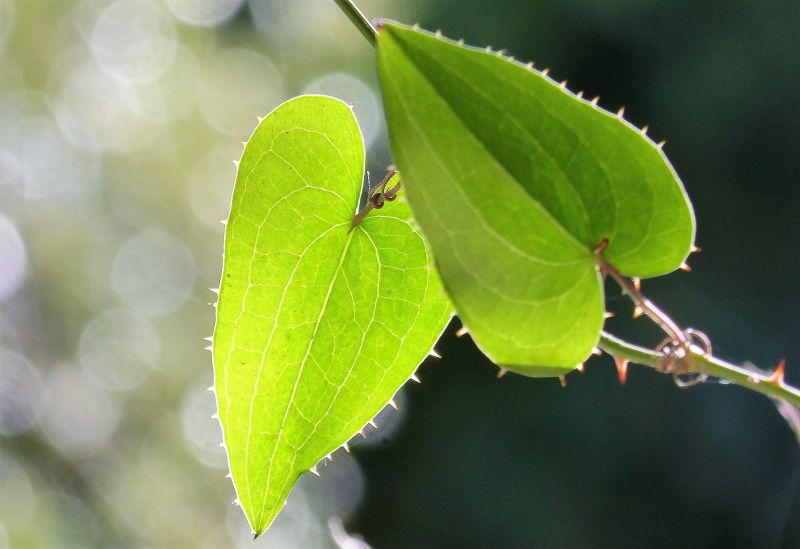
x=622 y=369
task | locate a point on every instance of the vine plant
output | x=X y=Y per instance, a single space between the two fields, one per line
x=517 y=199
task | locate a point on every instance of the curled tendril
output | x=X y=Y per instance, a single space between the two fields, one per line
x=674 y=354
x=378 y=195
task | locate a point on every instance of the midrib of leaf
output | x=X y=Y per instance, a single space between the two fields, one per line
x=537 y=204
x=306 y=354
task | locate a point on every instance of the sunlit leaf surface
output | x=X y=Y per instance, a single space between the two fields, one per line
x=515 y=182
x=317 y=326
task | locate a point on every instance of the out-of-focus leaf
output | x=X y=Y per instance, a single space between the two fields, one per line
x=515 y=182
x=317 y=325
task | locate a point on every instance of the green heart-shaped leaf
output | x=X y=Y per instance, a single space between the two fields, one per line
x=317 y=325
x=515 y=182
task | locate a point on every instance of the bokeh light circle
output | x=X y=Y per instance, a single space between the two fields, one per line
x=13 y=264
x=21 y=387
x=134 y=40
x=202 y=433
x=353 y=91
x=204 y=13
x=119 y=349
x=78 y=417
x=153 y=273
x=238 y=85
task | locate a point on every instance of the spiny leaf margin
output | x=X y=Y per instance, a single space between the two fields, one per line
x=318 y=148
x=514 y=201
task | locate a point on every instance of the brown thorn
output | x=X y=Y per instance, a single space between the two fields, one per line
x=501 y=372
x=462 y=331
x=622 y=369
x=777 y=376
x=685 y=267
x=562 y=380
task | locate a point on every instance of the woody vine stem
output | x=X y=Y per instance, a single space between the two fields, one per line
x=685 y=352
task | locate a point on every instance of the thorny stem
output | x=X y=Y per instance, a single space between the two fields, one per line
x=645 y=306
x=701 y=363
x=359 y=20
x=695 y=360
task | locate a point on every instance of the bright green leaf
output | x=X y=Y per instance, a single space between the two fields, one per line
x=515 y=182
x=317 y=326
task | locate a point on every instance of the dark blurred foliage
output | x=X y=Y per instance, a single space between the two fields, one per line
x=525 y=463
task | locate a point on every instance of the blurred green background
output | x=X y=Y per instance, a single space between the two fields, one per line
x=118 y=122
